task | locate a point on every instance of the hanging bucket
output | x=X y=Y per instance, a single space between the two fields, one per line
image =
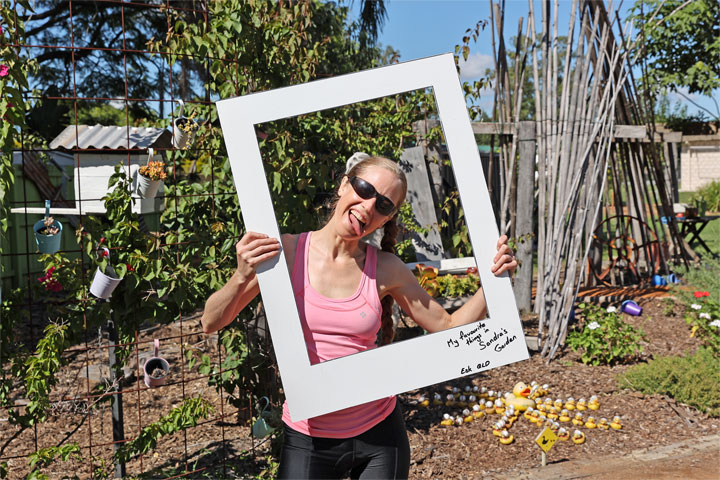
x=47 y=243
x=182 y=138
x=260 y=428
x=147 y=188
x=103 y=285
x=156 y=368
x=631 y=308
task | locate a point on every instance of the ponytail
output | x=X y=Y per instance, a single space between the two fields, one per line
x=388 y=245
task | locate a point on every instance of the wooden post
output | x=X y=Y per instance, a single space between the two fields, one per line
x=524 y=219
x=117 y=410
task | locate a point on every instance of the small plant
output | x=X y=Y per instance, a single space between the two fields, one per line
x=709 y=195
x=187 y=124
x=691 y=379
x=604 y=337
x=114 y=270
x=703 y=316
x=153 y=170
x=49 y=227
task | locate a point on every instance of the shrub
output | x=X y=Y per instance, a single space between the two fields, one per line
x=691 y=379
x=710 y=195
x=604 y=337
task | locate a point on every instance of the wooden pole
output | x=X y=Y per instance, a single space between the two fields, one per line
x=524 y=219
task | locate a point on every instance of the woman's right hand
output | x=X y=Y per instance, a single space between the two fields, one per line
x=253 y=249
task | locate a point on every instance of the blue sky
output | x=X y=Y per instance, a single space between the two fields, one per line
x=422 y=28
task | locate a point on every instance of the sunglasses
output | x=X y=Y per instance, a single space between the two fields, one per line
x=366 y=191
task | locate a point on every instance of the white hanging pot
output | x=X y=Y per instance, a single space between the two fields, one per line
x=156 y=368
x=103 y=285
x=183 y=129
x=146 y=187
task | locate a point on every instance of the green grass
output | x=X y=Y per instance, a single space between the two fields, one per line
x=691 y=379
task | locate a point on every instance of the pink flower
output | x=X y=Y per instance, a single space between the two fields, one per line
x=4 y=71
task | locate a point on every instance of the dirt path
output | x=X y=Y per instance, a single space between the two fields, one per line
x=690 y=459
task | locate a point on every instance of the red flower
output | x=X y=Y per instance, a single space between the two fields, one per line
x=700 y=294
x=51 y=270
x=102 y=239
x=4 y=71
x=130 y=268
x=105 y=253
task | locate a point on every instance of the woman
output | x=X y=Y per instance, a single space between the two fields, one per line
x=344 y=289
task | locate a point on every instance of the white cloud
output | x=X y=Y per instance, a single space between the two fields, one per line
x=475 y=66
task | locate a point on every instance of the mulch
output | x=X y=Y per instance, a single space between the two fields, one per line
x=222 y=445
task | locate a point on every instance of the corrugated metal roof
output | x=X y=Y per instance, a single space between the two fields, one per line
x=111 y=138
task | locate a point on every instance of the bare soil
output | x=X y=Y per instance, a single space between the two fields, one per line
x=222 y=447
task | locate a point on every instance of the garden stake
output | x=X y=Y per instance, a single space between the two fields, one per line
x=117 y=410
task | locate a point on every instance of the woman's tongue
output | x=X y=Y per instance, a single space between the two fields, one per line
x=356 y=224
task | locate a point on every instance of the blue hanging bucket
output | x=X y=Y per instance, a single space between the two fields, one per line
x=47 y=243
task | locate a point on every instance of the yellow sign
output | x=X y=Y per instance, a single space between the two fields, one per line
x=546 y=439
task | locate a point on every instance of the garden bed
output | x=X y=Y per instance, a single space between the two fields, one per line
x=467 y=451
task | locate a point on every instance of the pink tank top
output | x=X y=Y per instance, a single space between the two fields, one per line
x=335 y=327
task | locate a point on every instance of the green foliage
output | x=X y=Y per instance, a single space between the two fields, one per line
x=690 y=379
x=604 y=337
x=704 y=318
x=709 y=195
x=457 y=286
x=681 y=46
x=184 y=416
x=45 y=456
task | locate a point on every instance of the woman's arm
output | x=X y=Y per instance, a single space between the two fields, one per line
x=425 y=310
x=225 y=304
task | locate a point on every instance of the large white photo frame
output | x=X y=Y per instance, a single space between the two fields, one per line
x=313 y=390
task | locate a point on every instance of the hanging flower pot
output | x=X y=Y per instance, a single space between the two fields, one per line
x=104 y=282
x=149 y=177
x=156 y=368
x=184 y=129
x=261 y=428
x=48 y=232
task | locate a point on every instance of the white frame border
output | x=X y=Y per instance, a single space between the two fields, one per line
x=313 y=390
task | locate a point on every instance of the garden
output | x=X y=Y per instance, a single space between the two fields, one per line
x=120 y=217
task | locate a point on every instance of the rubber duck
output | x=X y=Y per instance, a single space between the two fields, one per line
x=615 y=424
x=548 y=403
x=509 y=420
x=506 y=438
x=467 y=416
x=541 y=408
x=563 y=434
x=578 y=420
x=534 y=392
x=475 y=389
x=461 y=401
x=468 y=389
x=593 y=403
x=581 y=404
x=483 y=392
x=603 y=424
x=499 y=407
x=518 y=397
x=456 y=392
x=528 y=413
x=541 y=421
x=554 y=426
x=534 y=416
x=489 y=408
x=590 y=423
x=450 y=402
x=578 y=437
x=447 y=420
x=544 y=389
x=477 y=411
x=570 y=404
x=423 y=402
x=558 y=404
x=564 y=415
x=510 y=411
x=552 y=413
x=459 y=420
x=472 y=401
x=498 y=428
x=491 y=395
x=437 y=399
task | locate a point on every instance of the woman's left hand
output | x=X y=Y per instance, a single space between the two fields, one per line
x=504 y=259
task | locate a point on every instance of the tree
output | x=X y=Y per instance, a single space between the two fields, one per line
x=679 y=44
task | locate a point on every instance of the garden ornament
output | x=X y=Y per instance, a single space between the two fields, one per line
x=260 y=428
x=156 y=368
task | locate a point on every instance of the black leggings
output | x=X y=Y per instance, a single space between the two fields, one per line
x=381 y=452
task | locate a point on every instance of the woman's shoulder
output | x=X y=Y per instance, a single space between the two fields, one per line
x=391 y=269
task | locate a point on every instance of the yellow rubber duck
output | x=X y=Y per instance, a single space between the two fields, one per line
x=483 y=392
x=499 y=407
x=467 y=416
x=548 y=402
x=447 y=420
x=534 y=416
x=491 y=395
x=615 y=424
x=423 y=402
x=544 y=389
x=563 y=434
x=540 y=407
x=450 y=402
x=498 y=428
x=593 y=403
x=437 y=399
x=509 y=420
x=578 y=437
x=461 y=401
x=472 y=401
x=603 y=424
x=578 y=420
x=519 y=397
x=489 y=408
x=506 y=438
x=477 y=411
x=542 y=421
x=570 y=404
x=564 y=415
x=528 y=413
x=459 y=420
x=590 y=423
x=581 y=404
x=552 y=413
x=456 y=392
x=558 y=404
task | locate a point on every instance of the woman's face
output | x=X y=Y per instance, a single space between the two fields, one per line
x=358 y=216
